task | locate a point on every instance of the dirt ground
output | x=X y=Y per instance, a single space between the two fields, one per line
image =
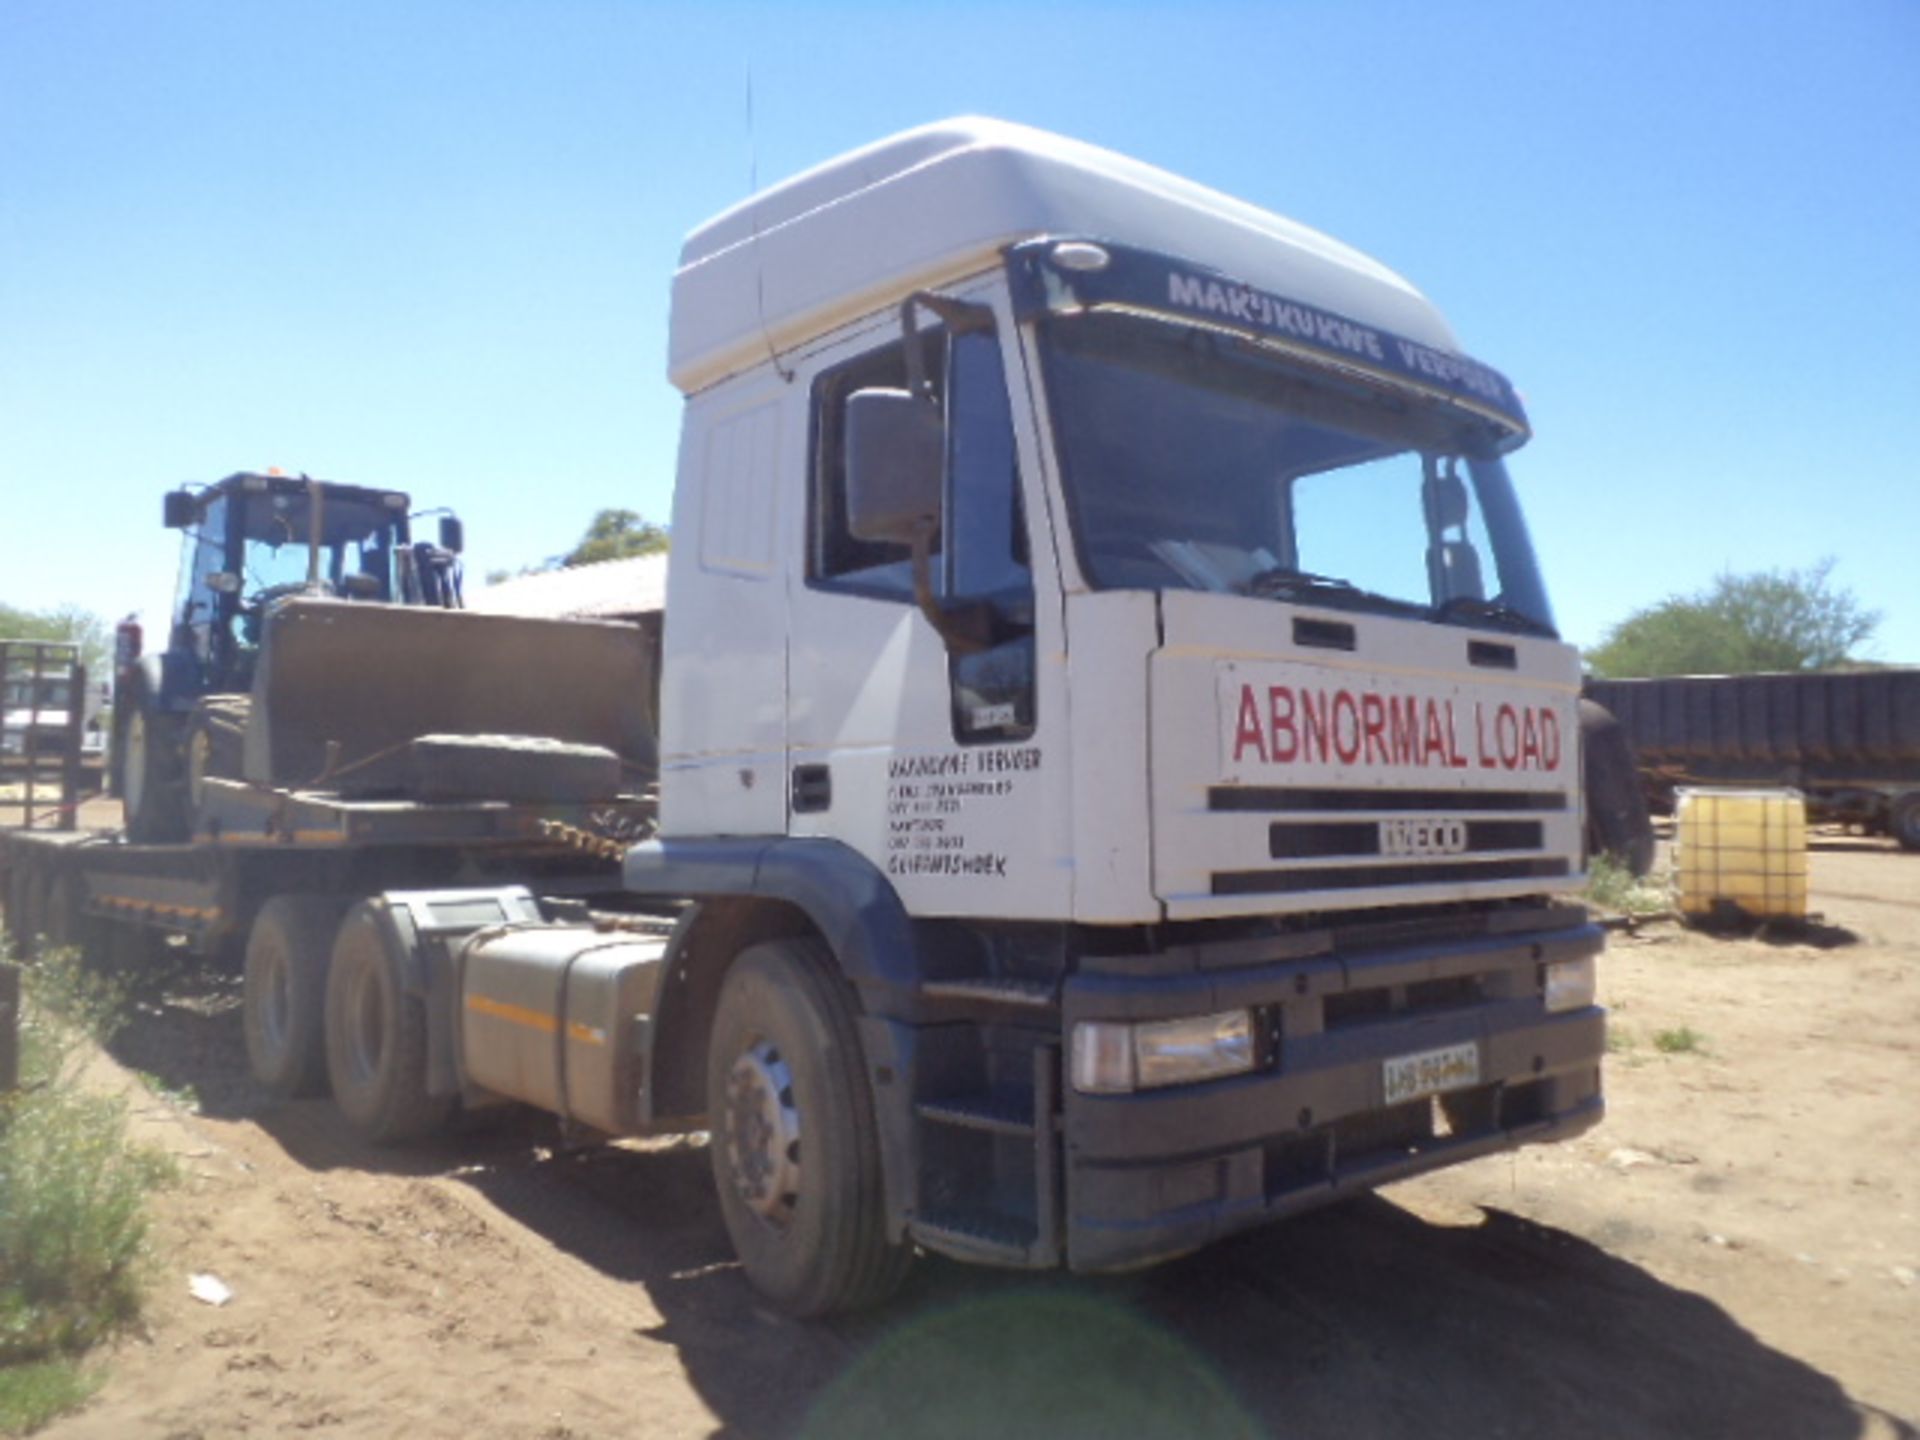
x=1733 y=1253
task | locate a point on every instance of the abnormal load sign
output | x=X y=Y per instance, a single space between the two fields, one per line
x=1286 y=723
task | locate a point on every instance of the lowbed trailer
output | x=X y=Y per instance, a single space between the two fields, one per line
x=76 y=887
x=274 y=903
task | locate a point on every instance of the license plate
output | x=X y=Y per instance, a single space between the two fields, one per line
x=1431 y=1072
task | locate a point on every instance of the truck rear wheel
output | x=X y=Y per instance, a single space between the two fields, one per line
x=285 y=993
x=376 y=1039
x=796 y=1156
x=1903 y=821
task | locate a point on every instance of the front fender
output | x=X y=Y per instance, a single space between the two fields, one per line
x=845 y=897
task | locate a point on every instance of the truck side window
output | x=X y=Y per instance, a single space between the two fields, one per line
x=980 y=558
x=984 y=523
x=986 y=558
x=837 y=559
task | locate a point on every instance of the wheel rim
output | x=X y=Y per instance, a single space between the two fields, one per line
x=762 y=1136
x=366 y=1027
x=133 y=778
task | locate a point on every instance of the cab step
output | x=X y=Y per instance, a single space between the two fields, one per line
x=985 y=1236
x=993 y=995
x=996 y=1114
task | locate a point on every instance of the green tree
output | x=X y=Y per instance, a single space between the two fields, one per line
x=1738 y=625
x=65 y=622
x=616 y=535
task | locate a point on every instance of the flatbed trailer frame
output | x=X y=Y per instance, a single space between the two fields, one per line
x=264 y=842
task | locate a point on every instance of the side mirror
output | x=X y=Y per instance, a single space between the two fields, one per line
x=224 y=582
x=896 y=451
x=177 y=510
x=453 y=535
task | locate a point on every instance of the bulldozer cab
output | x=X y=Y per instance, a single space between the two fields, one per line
x=251 y=540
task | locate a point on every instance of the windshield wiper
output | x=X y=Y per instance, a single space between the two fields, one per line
x=1280 y=582
x=1283 y=583
x=1497 y=611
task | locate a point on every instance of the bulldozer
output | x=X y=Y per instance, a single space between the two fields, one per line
x=316 y=646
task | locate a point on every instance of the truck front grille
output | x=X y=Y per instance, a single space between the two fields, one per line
x=1400 y=837
x=1363 y=877
x=1298 y=840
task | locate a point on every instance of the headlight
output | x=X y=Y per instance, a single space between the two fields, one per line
x=1113 y=1057
x=1570 y=985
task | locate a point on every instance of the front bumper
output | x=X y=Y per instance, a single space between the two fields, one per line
x=1155 y=1174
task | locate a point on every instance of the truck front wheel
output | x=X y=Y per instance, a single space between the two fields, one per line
x=284 y=1000
x=1904 y=820
x=376 y=1036
x=795 y=1152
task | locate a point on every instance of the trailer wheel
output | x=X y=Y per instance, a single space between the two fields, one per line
x=1904 y=820
x=23 y=896
x=796 y=1157
x=376 y=1039
x=153 y=781
x=1617 y=820
x=284 y=1003
x=64 y=918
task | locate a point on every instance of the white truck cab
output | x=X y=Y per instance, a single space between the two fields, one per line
x=1102 y=624
x=1233 y=503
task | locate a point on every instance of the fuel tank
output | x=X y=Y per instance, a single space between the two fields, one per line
x=558 y=1016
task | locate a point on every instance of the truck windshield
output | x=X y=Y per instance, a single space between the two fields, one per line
x=1196 y=460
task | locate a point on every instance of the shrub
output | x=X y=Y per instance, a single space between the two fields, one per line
x=73 y=1190
x=1612 y=885
x=1682 y=1041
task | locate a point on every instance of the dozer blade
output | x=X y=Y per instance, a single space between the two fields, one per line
x=339 y=688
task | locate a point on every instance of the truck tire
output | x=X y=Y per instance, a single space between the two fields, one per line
x=284 y=994
x=64 y=918
x=1903 y=820
x=1617 y=820
x=23 y=906
x=376 y=1039
x=796 y=1157
x=153 y=781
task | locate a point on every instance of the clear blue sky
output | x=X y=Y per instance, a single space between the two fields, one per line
x=427 y=245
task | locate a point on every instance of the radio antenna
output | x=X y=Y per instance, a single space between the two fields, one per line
x=759 y=271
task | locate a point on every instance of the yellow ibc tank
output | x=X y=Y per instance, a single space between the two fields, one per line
x=1746 y=848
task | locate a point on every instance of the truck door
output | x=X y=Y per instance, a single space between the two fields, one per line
x=928 y=759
